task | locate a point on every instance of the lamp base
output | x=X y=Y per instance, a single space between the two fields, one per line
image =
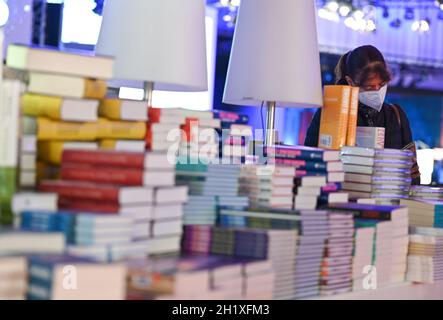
x=149 y=89
x=270 y=130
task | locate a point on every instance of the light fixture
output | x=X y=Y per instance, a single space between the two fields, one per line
x=421 y=25
x=4 y=13
x=328 y=15
x=396 y=23
x=358 y=14
x=344 y=9
x=409 y=14
x=385 y=12
x=332 y=6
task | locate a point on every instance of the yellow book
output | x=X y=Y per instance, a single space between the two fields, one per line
x=57 y=130
x=59 y=108
x=334 y=117
x=108 y=129
x=45 y=171
x=117 y=109
x=352 y=119
x=51 y=151
x=95 y=89
x=108 y=144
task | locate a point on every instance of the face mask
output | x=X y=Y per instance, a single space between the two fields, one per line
x=373 y=99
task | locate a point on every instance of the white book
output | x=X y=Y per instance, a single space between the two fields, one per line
x=370 y=137
x=25 y=201
x=29 y=144
x=27 y=178
x=164 y=195
x=28 y=161
x=31 y=242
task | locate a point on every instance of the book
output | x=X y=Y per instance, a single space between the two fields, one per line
x=54 y=61
x=59 y=108
x=352 y=118
x=303 y=153
x=28 y=144
x=123 y=145
x=94 y=281
x=54 y=130
x=98 y=192
x=24 y=242
x=24 y=201
x=334 y=117
x=51 y=151
x=117 y=109
x=370 y=137
x=136 y=160
x=118 y=176
x=121 y=129
x=66 y=86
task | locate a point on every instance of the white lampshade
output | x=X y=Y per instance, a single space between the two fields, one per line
x=161 y=41
x=275 y=55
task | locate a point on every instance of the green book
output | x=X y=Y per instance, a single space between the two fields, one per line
x=8 y=187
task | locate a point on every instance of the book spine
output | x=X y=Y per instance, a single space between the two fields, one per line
x=352 y=119
x=96 y=174
x=41 y=106
x=294 y=154
x=105 y=207
x=53 y=130
x=104 y=158
x=110 y=108
x=121 y=129
x=80 y=192
x=95 y=89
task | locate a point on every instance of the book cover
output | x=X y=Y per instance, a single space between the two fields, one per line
x=352 y=118
x=57 y=130
x=334 y=117
x=370 y=137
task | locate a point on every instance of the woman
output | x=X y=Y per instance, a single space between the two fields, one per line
x=366 y=68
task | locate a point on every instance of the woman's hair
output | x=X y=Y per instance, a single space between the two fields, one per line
x=359 y=63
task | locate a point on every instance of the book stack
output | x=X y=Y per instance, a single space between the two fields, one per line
x=336 y=271
x=338 y=122
x=60 y=277
x=268 y=186
x=318 y=177
x=197 y=238
x=425 y=259
x=391 y=237
x=362 y=255
x=235 y=135
x=424 y=213
x=32 y=201
x=208 y=189
x=301 y=277
x=10 y=91
x=376 y=173
x=137 y=185
x=258 y=280
x=426 y=193
x=13 y=278
x=123 y=112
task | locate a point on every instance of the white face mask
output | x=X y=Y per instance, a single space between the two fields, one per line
x=373 y=99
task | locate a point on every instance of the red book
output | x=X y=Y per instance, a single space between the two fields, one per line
x=66 y=203
x=134 y=160
x=78 y=190
x=117 y=175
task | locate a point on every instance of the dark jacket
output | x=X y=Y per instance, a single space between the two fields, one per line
x=397 y=135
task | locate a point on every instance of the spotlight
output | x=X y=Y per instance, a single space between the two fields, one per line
x=421 y=25
x=396 y=23
x=328 y=15
x=345 y=9
x=332 y=6
x=385 y=12
x=358 y=14
x=370 y=25
x=409 y=14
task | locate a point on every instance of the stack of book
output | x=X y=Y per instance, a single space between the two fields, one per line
x=318 y=177
x=60 y=277
x=391 y=237
x=32 y=201
x=211 y=185
x=13 y=278
x=123 y=112
x=28 y=162
x=10 y=91
x=336 y=272
x=197 y=239
x=301 y=277
x=133 y=184
x=425 y=259
x=424 y=213
x=200 y=138
x=376 y=173
x=258 y=280
x=362 y=255
x=268 y=186
x=426 y=193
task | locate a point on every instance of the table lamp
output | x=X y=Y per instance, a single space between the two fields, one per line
x=274 y=58
x=159 y=42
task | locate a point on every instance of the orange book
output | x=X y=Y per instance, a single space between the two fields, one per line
x=334 y=117
x=352 y=119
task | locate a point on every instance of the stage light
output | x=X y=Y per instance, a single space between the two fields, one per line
x=332 y=6
x=344 y=9
x=409 y=14
x=385 y=12
x=328 y=15
x=358 y=14
x=396 y=23
x=370 y=25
